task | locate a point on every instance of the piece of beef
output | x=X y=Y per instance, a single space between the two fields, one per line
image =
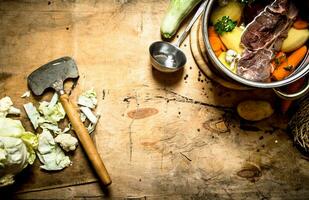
x=256 y=71
x=262 y=31
x=263 y=37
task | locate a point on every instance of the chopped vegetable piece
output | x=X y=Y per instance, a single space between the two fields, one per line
x=91 y=127
x=231 y=40
x=287 y=67
x=33 y=114
x=225 y=25
x=51 y=127
x=26 y=94
x=66 y=141
x=215 y=41
x=296 y=39
x=89 y=114
x=53 y=100
x=233 y=10
x=83 y=117
x=300 y=24
x=6 y=107
x=279 y=59
x=52 y=114
x=50 y=154
x=88 y=99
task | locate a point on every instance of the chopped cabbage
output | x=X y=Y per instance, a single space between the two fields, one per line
x=89 y=114
x=50 y=154
x=88 y=99
x=66 y=141
x=52 y=114
x=26 y=94
x=33 y=114
x=6 y=107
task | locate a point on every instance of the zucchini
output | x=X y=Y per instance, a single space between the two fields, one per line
x=177 y=11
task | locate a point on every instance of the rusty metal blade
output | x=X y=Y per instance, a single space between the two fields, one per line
x=55 y=71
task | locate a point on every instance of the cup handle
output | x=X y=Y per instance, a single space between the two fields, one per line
x=292 y=96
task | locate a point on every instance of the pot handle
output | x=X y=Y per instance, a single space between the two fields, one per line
x=293 y=96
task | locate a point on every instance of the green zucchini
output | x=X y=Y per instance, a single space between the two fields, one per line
x=177 y=11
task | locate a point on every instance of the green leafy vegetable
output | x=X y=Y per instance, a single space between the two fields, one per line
x=50 y=154
x=177 y=11
x=288 y=68
x=88 y=99
x=6 y=107
x=17 y=149
x=225 y=25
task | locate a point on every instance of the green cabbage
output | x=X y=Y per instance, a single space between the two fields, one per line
x=17 y=149
x=50 y=154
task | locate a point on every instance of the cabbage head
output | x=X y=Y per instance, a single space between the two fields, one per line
x=17 y=149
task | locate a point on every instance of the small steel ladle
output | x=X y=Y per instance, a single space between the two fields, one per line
x=167 y=57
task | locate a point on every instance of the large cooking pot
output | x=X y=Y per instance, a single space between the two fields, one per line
x=301 y=71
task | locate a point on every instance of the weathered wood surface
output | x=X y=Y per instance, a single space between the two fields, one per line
x=161 y=136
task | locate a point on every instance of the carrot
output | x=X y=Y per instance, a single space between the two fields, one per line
x=279 y=59
x=288 y=66
x=300 y=24
x=215 y=41
x=293 y=87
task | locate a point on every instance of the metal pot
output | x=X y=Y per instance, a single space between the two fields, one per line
x=301 y=71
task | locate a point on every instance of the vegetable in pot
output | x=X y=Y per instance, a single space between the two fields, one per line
x=300 y=24
x=215 y=41
x=296 y=38
x=177 y=11
x=233 y=10
x=287 y=67
x=229 y=65
x=232 y=39
x=225 y=25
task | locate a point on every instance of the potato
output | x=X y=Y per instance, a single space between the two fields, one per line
x=254 y=110
x=223 y=61
x=296 y=38
x=232 y=9
x=232 y=39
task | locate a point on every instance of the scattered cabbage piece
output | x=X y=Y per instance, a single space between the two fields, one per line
x=91 y=127
x=26 y=94
x=88 y=99
x=33 y=114
x=66 y=141
x=52 y=114
x=6 y=107
x=17 y=149
x=50 y=154
x=53 y=100
x=83 y=117
x=89 y=114
x=51 y=127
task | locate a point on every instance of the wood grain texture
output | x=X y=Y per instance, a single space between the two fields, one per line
x=193 y=147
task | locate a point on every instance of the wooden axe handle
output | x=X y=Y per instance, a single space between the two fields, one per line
x=85 y=140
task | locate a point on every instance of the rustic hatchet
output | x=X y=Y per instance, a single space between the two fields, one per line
x=53 y=75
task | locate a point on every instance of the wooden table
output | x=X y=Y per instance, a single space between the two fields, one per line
x=162 y=136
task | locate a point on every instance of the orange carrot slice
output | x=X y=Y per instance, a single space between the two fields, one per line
x=300 y=24
x=287 y=67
